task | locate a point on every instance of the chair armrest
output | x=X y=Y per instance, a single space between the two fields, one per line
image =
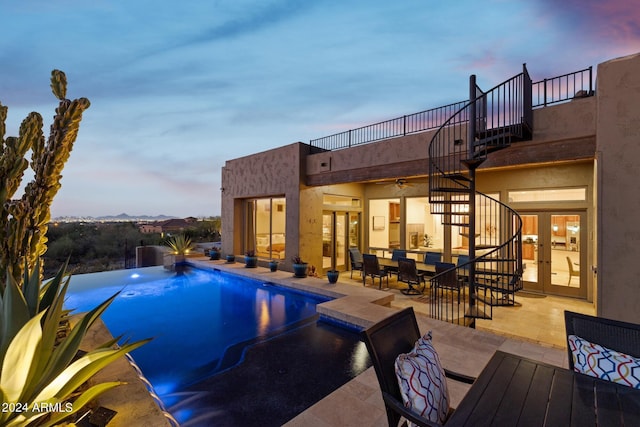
x=459 y=377
x=408 y=414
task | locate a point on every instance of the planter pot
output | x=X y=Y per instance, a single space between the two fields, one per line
x=251 y=261
x=300 y=270
x=332 y=276
x=231 y=258
x=214 y=255
x=273 y=265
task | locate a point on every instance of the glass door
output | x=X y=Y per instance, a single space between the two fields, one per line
x=339 y=229
x=553 y=251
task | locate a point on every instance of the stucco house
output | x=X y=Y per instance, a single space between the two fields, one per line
x=571 y=177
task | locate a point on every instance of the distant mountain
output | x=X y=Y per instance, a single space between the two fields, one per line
x=123 y=217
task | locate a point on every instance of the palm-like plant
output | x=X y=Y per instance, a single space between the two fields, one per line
x=38 y=373
x=180 y=244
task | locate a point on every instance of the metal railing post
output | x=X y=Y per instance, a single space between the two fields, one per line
x=471 y=229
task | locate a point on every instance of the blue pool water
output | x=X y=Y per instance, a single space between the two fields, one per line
x=200 y=321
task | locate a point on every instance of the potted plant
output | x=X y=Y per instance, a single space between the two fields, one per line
x=250 y=259
x=231 y=258
x=332 y=276
x=214 y=253
x=273 y=265
x=180 y=246
x=299 y=267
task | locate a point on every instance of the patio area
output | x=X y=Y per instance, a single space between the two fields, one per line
x=534 y=329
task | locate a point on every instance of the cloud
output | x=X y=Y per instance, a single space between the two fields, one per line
x=247 y=19
x=613 y=25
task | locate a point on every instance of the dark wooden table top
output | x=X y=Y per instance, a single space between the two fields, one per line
x=422 y=267
x=515 y=391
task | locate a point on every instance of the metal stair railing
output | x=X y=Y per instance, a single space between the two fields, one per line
x=494 y=119
x=497 y=268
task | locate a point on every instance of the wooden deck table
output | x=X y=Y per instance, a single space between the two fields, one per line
x=515 y=391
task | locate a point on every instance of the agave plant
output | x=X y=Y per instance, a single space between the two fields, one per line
x=40 y=376
x=180 y=244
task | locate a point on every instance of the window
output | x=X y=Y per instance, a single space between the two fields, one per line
x=265 y=228
x=549 y=195
x=424 y=229
x=343 y=201
x=384 y=223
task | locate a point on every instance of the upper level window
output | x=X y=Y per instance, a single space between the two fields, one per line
x=345 y=201
x=549 y=195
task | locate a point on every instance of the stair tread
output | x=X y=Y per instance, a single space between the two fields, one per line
x=487 y=246
x=450 y=190
x=493 y=301
x=476 y=313
x=459 y=176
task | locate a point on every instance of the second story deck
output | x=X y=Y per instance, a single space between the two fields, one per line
x=550 y=91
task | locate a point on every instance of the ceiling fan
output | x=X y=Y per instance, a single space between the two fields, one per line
x=401 y=183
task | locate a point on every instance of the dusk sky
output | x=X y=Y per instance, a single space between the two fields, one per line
x=178 y=88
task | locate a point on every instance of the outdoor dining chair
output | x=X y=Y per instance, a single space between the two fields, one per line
x=356 y=260
x=372 y=268
x=408 y=273
x=396 y=254
x=622 y=337
x=432 y=257
x=446 y=278
x=385 y=341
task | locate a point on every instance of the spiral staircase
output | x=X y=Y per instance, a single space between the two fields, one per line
x=492 y=274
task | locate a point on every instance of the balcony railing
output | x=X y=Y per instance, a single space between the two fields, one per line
x=545 y=92
x=578 y=84
x=400 y=126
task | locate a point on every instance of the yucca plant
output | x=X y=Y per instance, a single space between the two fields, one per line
x=180 y=244
x=39 y=377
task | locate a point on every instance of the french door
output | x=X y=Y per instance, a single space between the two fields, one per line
x=340 y=230
x=554 y=253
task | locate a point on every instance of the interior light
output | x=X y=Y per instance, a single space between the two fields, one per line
x=555 y=227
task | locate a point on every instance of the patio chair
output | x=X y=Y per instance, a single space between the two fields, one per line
x=372 y=268
x=396 y=254
x=572 y=271
x=385 y=340
x=356 y=260
x=432 y=257
x=407 y=272
x=462 y=260
x=447 y=278
x=616 y=335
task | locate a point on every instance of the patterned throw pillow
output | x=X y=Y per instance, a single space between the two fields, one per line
x=422 y=381
x=600 y=362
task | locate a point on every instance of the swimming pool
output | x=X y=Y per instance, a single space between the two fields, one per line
x=203 y=324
